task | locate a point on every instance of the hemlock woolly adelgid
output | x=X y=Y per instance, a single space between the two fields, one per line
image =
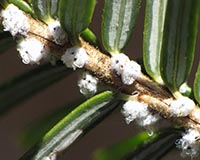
x=88 y=84
x=56 y=31
x=75 y=57
x=131 y=72
x=189 y=143
x=134 y=110
x=118 y=62
x=128 y=70
x=182 y=107
x=31 y=50
x=14 y=20
x=149 y=120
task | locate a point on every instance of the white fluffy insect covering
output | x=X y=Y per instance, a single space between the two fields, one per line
x=131 y=72
x=14 y=20
x=56 y=31
x=134 y=110
x=75 y=57
x=31 y=50
x=118 y=62
x=88 y=84
x=182 y=107
x=189 y=143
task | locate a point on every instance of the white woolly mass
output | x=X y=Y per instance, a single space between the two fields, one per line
x=182 y=107
x=128 y=70
x=134 y=110
x=59 y=35
x=131 y=72
x=14 y=20
x=189 y=143
x=75 y=57
x=88 y=84
x=31 y=50
x=149 y=120
x=118 y=62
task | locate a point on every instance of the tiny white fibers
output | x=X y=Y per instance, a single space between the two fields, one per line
x=59 y=35
x=31 y=50
x=134 y=110
x=118 y=62
x=182 y=107
x=131 y=72
x=149 y=120
x=189 y=143
x=75 y=57
x=14 y=20
x=88 y=84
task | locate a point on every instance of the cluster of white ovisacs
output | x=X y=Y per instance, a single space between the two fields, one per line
x=31 y=49
x=88 y=84
x=124 y=67
x=189 y=143
x=14 y=20
x=75 y=57
x=182 y=106
x=56 y=31
x=138 y=111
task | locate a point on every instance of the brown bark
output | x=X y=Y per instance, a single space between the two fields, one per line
x=157 y=97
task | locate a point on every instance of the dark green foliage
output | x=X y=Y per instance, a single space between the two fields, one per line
x=118 y=23
x=179 y=39
x=153 y=35
x=75 y=16
x=197 y=85
x=45 y=9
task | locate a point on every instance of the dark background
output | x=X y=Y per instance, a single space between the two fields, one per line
x=111 y=130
